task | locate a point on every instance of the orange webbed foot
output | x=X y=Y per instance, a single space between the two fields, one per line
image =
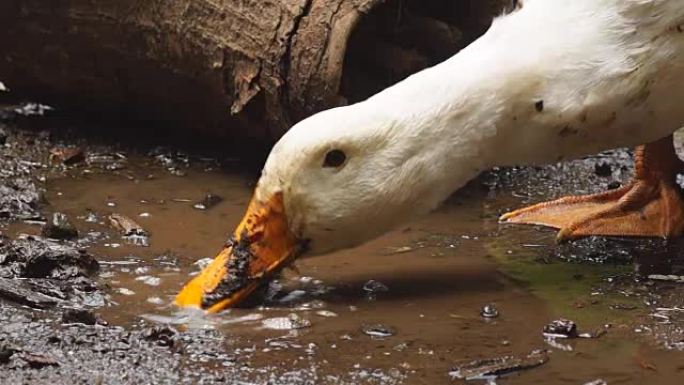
x=650 y=206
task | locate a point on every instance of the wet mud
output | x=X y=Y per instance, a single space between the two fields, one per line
x=454 y=292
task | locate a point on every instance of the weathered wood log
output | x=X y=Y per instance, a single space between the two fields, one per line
x=209 y=65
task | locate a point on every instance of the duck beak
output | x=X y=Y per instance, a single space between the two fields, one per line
x=261 y=246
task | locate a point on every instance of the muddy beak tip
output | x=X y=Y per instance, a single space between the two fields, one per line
x=261 y=245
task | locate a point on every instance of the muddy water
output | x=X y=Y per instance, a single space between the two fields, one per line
x=436 y=274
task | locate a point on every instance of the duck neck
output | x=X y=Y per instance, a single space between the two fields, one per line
x=445 y=121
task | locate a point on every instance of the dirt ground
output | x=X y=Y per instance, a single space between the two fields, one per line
x=409 y=308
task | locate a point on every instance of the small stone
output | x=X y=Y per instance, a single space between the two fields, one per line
x=375 y=287
x=209 y=201
x=489 y=311
x=6 y=352
x=59 y=227
x=80 y=316
x=92 y=218
x=38 y=360
x=378 y=331
x=161 y=335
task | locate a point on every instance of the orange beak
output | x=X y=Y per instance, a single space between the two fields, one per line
x=261 y=246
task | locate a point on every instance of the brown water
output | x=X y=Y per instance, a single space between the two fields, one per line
x=440 y=271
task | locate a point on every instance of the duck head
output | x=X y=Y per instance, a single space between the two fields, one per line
x=333 y=181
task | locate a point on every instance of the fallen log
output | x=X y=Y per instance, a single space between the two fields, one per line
x=215 y=66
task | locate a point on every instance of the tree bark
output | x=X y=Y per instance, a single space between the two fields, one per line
x=216 y=66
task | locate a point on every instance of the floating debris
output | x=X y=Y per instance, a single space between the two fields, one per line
x=67 y=155
x=32 y=109
x=326 y=314
x=623 y=306
x=667 y=278
x=492 y=368
x=291 y=322
x=489 y=311
x=132 y=232
x=597 y=382
x=398 y=250
x=125 y=291
x=566 y=329
x=59 y=227
x=209 y=201
x=561 y=328
x=378 y=331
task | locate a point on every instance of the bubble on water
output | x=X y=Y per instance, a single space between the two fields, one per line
x=291 y=322
x=489 y=311
x=306 y=279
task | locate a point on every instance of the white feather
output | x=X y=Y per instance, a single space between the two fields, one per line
x=553 y=80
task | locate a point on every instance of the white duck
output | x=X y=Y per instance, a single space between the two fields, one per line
x=555 y=79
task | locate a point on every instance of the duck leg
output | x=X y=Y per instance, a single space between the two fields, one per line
x=650 y=205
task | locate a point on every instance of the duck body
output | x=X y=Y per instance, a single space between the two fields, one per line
x=555 y=79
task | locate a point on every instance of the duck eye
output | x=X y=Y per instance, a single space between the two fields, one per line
x=334 y=158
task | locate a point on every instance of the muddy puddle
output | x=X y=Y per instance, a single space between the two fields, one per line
x=408 y=308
